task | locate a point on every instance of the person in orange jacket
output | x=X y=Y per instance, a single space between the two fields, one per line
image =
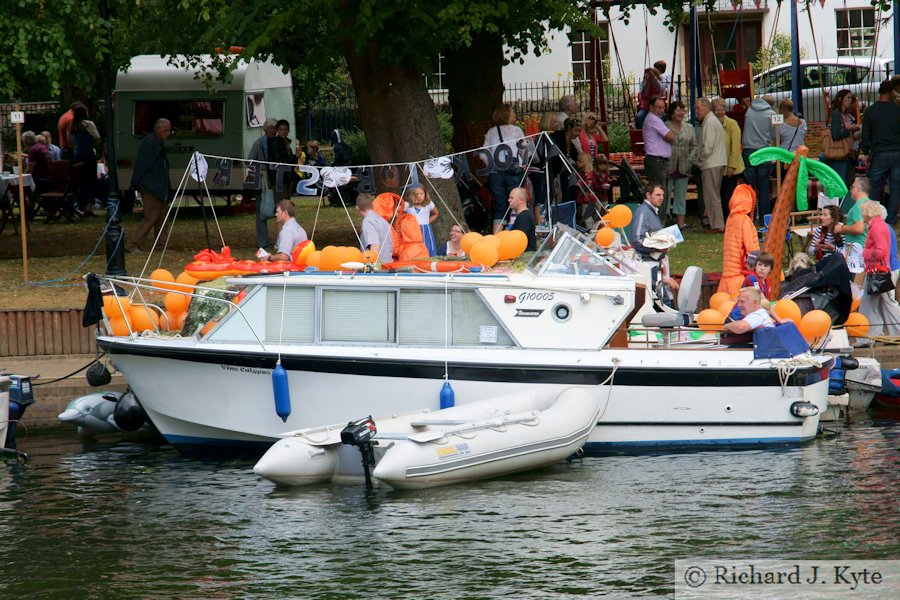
x=405 y=230
x=740 y=238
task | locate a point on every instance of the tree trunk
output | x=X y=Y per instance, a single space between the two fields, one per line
x=479 y=69
x=400 y=121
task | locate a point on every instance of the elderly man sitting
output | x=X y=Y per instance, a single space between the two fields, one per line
x=755 y=316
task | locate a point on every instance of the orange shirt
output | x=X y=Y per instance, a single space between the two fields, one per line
x=64 y=124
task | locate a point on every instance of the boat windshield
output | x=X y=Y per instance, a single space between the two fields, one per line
x=568 y=252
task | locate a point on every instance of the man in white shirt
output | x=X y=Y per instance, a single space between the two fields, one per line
x=749 y=302
x=290 y=235
x=375 y=232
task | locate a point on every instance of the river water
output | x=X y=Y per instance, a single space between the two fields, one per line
x=122 y=519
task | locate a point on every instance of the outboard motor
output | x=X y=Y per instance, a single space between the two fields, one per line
x=360 y=433
x=129 y=414
x=837 y=376
x=20 y=398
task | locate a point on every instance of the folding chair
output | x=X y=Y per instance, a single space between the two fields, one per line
x=57 y=202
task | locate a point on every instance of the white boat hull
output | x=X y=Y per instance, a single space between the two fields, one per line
x=651 y=405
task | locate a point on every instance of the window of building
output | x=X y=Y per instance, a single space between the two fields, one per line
x=580 y=41
x=190 y=119
x=435 y=81
x=855 y=31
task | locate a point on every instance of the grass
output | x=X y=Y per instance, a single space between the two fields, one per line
x=57 y=251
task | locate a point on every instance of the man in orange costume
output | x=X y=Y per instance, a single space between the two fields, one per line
x=405 y=231
x=740 y=238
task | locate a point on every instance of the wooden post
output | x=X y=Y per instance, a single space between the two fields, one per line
x=22 y=210
x=777 y=120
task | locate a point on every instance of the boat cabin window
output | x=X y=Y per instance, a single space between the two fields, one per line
x=299 y=323
x=567 y=252
x=422 y=320
x=359 y=316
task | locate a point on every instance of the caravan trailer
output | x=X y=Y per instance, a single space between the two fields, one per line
x=222 y=123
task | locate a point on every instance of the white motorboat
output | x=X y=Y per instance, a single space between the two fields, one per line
x=482 y=439
x=353 y=343
x=5 y=382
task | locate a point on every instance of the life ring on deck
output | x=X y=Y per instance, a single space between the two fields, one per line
x=433 y=266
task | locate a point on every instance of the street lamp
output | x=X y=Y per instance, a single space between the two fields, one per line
x=115 y=233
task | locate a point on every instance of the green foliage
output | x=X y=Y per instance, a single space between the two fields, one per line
x=619 y=138
x=778 y=53
x=359 y=145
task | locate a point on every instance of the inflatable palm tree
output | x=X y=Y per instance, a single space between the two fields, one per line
x=794 y=186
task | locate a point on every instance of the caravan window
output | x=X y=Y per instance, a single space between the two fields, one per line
x=190 y=119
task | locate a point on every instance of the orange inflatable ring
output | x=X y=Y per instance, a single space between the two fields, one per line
x=433 y=266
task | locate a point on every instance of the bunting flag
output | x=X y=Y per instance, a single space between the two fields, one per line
x=512 y=155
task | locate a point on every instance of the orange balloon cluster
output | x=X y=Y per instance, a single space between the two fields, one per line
x=857 y=324
x=163 y=279
x=469 y=240
x=726 y=307
x=484 y=253
x=814 y=324
x=116 y=306
x=718 y=298
x=332 y=257
x=710 y=320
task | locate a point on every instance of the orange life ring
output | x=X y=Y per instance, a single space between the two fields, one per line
x=433 y=266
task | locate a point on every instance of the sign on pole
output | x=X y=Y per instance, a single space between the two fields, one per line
x=18 y=117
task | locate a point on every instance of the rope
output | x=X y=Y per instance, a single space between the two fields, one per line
x=789 y=366
x=73 y=373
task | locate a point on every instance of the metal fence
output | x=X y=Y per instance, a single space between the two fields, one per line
x=530 y=99
x=39 y=116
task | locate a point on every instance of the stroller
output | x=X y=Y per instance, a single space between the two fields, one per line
x=826 y=287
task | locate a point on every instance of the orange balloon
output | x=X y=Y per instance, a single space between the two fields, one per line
x=142 y=317
x=185 y=282
x=116 y=306
x=179 y=321
x=351 y=254
x=168 y=321
x=330 y=258
x=618 y=216
x=163 y=279
x=118 y=326
x=176 y=303
x=301 y=253
x=788 y=309
x=710 y=320
x=814 y=325
x=718 y=298
x=485 y=254
x=726 y=307
x=854 y=306
x=469 y=240
x=493 y=240
x=857 y=324
x=605 y=237
x=208 y=327
x=512 y=244
x=314 y=259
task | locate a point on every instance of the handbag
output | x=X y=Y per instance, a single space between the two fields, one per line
x=267 y=208
x=836 y=150
x=879 y=282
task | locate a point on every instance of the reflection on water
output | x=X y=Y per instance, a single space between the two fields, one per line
x=139 y=520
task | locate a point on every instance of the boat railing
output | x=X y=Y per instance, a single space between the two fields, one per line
x=139 y=285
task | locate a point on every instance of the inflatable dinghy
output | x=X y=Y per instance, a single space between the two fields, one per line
x=488 y=438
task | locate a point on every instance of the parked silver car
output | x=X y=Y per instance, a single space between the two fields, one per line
x=855 y=73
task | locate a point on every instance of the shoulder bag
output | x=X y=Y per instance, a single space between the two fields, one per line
x=836 y=150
